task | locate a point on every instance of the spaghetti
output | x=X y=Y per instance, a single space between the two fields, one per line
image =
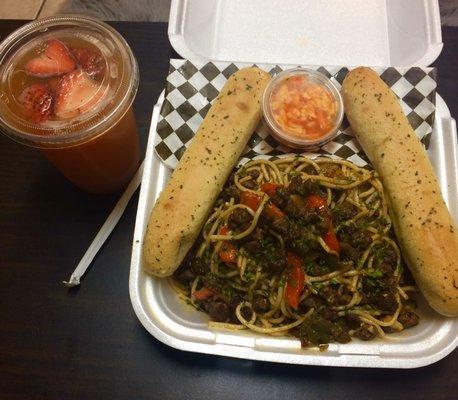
x=300 y=247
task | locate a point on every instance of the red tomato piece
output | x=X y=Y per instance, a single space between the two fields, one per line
x=316 y=202
x=228 y=253
x=270 y=188
x=203 y=294
x=295 y=282
x=274 y=212
x=331 y=240
x=250 y=199
x=224 y=230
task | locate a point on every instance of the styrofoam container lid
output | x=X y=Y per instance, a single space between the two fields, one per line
x=312 y=32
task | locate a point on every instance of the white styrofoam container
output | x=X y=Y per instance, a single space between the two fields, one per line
x=308 y=32
x=217 y=30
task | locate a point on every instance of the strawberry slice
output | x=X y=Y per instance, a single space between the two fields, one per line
x=37 y=102
x=54 y=60
x=91 y=61
x=76 y=94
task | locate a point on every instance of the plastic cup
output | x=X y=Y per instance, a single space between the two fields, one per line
x=85 y=124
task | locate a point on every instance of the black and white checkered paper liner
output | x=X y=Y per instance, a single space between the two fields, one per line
x=192 y=87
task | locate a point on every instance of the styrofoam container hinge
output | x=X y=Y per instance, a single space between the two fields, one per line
x=176 y=17
x=312 y=32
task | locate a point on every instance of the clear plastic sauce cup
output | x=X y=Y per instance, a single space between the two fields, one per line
x=302 y=108
x=67 y=84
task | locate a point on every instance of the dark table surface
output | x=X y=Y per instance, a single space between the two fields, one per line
x=87 y=343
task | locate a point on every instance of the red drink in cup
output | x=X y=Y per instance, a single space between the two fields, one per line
x=66 y=87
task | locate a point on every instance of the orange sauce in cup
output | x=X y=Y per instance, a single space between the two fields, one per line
x=303 y=108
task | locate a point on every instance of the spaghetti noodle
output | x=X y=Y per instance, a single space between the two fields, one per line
x=300 y=247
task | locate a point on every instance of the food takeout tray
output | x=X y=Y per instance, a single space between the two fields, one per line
x=369 y=32
x=179 y=325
